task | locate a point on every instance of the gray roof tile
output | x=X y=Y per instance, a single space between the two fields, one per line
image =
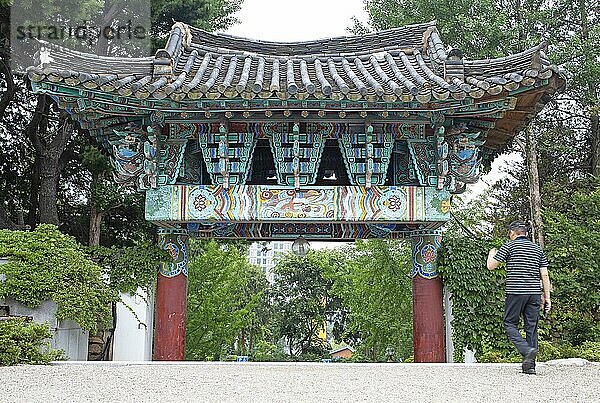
x=400 y=63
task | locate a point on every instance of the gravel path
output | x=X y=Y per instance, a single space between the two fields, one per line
x=260 y=382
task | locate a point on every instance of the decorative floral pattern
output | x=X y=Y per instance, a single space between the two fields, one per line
x=425 y=247
x=200 y=202
x=175 y=243
x=428 y=253
x=394 y=203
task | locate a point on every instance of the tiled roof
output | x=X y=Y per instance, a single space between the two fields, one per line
x=402 y=64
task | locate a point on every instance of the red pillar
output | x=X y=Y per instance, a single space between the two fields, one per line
x=171 y=298
x=428 y=312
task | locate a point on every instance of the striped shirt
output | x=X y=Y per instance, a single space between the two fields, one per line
x=523 y=262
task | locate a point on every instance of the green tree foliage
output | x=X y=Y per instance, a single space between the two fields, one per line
x=26 y=343
x=480 y=28
x=375 y=289
x=225 y=294
x=210 y=15
x=573 y=250
x=301 y=301
x=476 y=27
x=48 y=265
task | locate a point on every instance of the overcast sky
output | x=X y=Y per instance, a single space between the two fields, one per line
x=296 y=20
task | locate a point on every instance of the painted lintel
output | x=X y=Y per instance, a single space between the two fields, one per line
x=179 y=204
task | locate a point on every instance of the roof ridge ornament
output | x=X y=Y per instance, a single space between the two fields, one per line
x=426 y=34
x=166 y=59
x=187 y=35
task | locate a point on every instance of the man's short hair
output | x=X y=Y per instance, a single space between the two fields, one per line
x=520 y=227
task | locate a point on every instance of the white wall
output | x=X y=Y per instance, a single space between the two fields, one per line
x=133 y=336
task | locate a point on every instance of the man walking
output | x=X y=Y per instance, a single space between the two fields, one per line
x=525 y=266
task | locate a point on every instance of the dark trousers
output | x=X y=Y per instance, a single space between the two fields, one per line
x=528 y=307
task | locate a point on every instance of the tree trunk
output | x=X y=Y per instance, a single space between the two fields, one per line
x=49 y=144
x=535 y=198
x=95 y=222
x=595 y=136
x=32 y=215
x=49 y=173
x=38 y=123
x=110 y=11
x=96 y=214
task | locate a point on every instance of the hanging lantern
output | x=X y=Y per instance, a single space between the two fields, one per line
x=300 y=247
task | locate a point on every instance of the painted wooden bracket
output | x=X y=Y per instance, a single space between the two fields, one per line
x=296 y=160
x=458 y=157
x=442 y=163
x=224 y=156
x=369 y=155
x=227 y=155
x=297 y=156
x=366 y=156
x=135 y=157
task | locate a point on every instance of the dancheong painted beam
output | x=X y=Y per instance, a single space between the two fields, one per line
x=336 y=212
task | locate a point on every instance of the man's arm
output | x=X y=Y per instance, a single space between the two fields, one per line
x=491 y=262
x=546 y=286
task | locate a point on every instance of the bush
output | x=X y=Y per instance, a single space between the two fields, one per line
x=264 y=351
x=590 y=350
x=46 y=264
x=309 y=357
x=547 y=351
x=491 y=356
x=568 y=351
x=496 y=356
x=26 y=343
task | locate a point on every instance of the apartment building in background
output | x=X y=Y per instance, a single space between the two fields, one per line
x=265 y=254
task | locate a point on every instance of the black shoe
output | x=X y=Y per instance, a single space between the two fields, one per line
x=529 y=371
x=529 y=360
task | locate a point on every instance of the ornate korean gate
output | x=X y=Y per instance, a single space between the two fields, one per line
x=338 y=139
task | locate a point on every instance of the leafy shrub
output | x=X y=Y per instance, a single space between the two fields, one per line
x=46 y=264
x=130 y=267
x=264 y=351
x=568 y=351
x=547 y=351
x=491 y=356
x=309 y=357
x=573 y=251
x=26 y=343
x=496 y=356
x=590 y=350
x=477 y=297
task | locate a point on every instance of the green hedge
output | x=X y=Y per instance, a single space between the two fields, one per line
x=548 y=351
x=26 y=343
x=46 y=264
